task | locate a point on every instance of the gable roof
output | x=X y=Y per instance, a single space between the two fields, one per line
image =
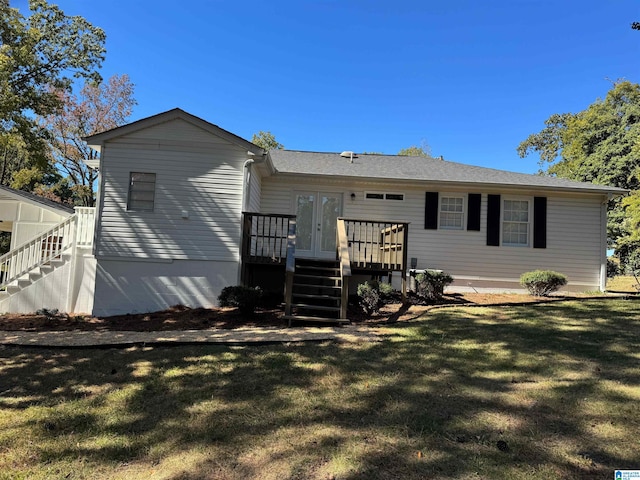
x=96 y=141
x=35 y=199
x=425 y=169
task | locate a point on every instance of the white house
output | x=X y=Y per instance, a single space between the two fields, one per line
x=186 y=208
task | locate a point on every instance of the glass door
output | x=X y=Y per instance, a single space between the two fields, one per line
x=317 y=214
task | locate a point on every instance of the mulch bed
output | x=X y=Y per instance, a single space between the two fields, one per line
x=184 y=318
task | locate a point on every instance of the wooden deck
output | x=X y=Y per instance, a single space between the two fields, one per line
x=362 y=247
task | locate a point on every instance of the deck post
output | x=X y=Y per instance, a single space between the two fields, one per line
x=290 y=268
x=405 y=243
x=344 y=298
x=342 y=254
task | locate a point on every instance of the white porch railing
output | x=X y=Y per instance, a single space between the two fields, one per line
x=76 y=230
x=86 y=223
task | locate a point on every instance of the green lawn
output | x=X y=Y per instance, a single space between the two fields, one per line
x=556 y=386
x=622 y=283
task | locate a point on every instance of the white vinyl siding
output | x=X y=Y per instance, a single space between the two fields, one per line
x=451 y=212
x=573 y=233
x=198 y=198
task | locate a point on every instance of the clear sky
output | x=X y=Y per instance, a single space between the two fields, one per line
x=469 y=78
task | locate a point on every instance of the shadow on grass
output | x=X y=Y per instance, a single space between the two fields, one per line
x=554 y=383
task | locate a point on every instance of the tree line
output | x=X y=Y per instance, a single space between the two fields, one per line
x=600 y=144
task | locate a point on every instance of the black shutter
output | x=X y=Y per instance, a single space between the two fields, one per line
x=493 y=220
x=473 y=216
x=540 y=222
x=431 y=211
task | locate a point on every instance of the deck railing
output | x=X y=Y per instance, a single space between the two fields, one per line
x=86 y=223
x=265 y=237
x=377 y=245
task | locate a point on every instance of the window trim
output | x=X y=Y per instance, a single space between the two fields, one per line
x=463 y=223
x=529 y=222
x=130 y=200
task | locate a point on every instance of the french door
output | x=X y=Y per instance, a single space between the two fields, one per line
x=317 y=214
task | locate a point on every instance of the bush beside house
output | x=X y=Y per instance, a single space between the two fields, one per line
x=541 y=283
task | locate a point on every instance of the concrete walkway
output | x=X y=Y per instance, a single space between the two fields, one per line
x=238 y=336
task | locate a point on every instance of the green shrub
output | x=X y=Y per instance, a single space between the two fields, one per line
x=386 y=290
x=541 y=283
x=430 y=284
x=246 y=299
x=613 y=268
x=373 y=294
x=369 y=296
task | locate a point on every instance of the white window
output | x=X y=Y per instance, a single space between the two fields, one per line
x=142 y=191
x=515 y=223
x=451 y=212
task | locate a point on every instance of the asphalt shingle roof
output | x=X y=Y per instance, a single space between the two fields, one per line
x=395 y=167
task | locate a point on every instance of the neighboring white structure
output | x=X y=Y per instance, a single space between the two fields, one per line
x=169 y=223
x=50 y=263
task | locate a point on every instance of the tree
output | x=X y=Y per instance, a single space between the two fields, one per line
x=13 y=155
x=266 y=141
x=415 y=151
x=40 y=55
x=97 y=108
x=47 y=183
x=600 y=144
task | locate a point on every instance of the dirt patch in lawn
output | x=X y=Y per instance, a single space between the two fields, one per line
x=184 y=318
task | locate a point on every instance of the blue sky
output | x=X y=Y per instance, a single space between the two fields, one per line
x=470 y=78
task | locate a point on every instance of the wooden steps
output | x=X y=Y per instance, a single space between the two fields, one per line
x=316 y=292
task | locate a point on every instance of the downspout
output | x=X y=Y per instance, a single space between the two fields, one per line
x=603 y=243
x=246 y=169
x=246 y=174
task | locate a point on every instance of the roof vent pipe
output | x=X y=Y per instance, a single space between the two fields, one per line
x=349 y=154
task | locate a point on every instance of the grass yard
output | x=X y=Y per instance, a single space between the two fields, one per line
x=547 y=391
x=622 y=283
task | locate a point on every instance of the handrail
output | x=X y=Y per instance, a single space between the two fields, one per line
x=342 y=243
x=290 y=267
x=38 y=251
